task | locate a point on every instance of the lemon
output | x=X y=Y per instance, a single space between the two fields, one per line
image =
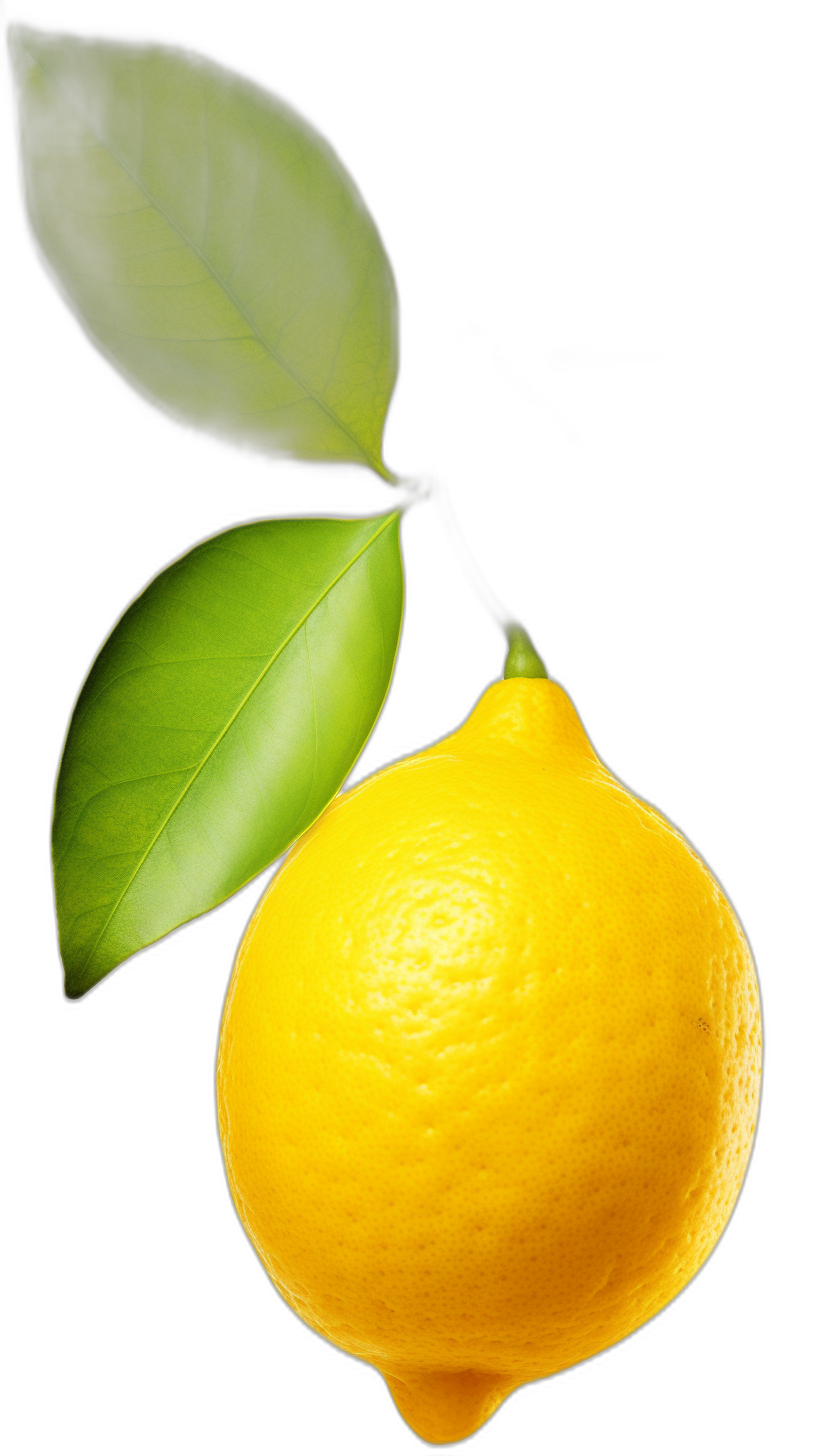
x=489 y=1063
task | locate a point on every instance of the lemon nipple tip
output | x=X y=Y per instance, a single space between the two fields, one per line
x=447 y=1405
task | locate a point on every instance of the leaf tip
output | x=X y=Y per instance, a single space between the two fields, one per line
x=77 y=982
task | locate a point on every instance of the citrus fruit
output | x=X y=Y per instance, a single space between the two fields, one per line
x=489 y=1063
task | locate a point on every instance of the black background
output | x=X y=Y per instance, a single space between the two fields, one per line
x=577 y=258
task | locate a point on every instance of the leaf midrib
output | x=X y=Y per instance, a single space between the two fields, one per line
x=377 y=466
x=387 y=520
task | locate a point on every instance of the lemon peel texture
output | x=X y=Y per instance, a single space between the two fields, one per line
x=489 y=1064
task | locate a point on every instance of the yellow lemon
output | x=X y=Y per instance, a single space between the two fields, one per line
x=489 y=1063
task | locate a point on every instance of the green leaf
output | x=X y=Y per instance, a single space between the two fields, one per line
x=211 y=243
x=220 y=718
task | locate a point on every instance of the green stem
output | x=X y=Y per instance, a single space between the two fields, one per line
x=416 y=489
x=522 y=658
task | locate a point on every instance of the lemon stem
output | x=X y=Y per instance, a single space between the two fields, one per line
x=522 y=658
